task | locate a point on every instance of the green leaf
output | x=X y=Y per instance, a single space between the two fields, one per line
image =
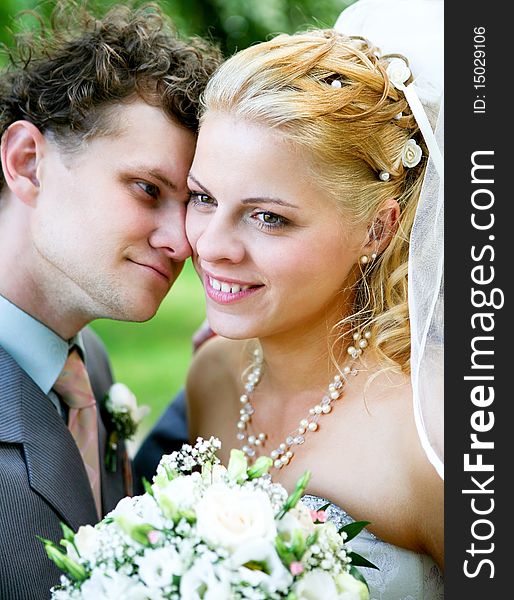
x=353 y=529
x=147 y=485
x=360 y=561
x=261 y=466
x=324 y=507
x=69 y=534
x=298 y=546
x=358 y=575
x=283 y=551
x=292 y=501
x=237 y=466
x=73 y=569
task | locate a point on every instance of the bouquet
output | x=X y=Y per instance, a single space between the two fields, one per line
x=205 y=531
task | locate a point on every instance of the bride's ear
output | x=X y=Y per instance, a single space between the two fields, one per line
x=383 y=227
x=21 y=148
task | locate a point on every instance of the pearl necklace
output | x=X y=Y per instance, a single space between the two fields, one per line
x=283 y=454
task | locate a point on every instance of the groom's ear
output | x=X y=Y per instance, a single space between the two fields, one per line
x=22 y=145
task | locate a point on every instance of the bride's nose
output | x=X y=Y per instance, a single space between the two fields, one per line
x=220 y=241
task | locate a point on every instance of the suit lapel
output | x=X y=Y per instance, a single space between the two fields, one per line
x=54 y=466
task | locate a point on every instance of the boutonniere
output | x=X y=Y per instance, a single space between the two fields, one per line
x=125 y=416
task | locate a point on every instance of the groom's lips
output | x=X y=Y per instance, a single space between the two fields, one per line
x=156 y=268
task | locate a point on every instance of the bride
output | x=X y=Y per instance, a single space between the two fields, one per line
x=304 y=189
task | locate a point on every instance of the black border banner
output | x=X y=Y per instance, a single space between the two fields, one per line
x=478 y=434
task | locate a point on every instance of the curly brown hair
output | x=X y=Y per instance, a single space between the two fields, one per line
x=64 y=78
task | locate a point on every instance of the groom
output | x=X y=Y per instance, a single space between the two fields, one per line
x=97 y=136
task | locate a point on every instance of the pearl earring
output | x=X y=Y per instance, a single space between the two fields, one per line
x=364 y=259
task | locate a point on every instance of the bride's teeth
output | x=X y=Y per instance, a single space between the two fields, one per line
x=228 y=288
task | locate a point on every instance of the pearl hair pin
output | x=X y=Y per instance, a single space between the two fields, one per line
x=283 y=454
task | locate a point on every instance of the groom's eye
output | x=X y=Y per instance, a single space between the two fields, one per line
x=149 y=188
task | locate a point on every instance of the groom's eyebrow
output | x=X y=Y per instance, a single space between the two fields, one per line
x=155 y=173
x=260 y=199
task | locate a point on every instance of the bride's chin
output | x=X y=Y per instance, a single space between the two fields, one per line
x=234 y=328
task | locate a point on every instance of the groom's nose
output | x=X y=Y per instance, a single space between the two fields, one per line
x=170 y=233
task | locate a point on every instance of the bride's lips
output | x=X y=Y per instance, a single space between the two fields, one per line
x=224 y=290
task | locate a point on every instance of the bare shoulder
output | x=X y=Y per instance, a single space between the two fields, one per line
x=213 y=387
x=216 y=359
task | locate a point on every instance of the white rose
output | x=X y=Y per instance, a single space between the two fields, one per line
x=316 y=585
x=157 y=566
x=398 y=72
x=148 y=509
x=121 y=399
x=350 y=588
x=218 y=473
x=276 y=578
x=298 y=517
x=229 y=517
x=87 y=541
x=202 y=578
x=182 y=492
x=112 y=585
x=411 y=154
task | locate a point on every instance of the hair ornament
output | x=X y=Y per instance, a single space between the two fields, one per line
x=398 y=116
x=411 y=154
x=384 y=176
x=398 y=72
x=336 y=83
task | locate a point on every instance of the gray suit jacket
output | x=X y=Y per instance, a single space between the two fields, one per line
x=42 y=477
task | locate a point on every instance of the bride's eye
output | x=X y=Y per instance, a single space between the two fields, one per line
x=269 y=220
x=199 y=199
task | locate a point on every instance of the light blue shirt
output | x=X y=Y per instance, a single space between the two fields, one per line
x=39 y=351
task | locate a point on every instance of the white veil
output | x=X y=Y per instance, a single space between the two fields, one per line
x=415 y=29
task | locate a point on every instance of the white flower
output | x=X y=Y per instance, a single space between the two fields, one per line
x=275 y=577
x=182 y=491
x=298 y=517
x=350 y=588
x=157 y=566
x=229 y=517
x=113 y=585
x=316 y=585
x=202 y=581
x=218 y=473
x=411 y=154
x=87 y=542
x=122 y=400
x=398 y=72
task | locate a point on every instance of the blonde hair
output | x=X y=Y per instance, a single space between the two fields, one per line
x=352 y=133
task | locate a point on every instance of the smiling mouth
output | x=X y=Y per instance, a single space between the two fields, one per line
x=153 y=269
x=228 y=287
x=226 y=292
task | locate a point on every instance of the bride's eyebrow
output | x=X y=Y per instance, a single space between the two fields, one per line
x=193 y=178
x=259 y=199
x=266 y=200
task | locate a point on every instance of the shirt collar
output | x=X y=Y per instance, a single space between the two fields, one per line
x=39 y=351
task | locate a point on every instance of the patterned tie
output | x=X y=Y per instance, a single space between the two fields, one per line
x=75 y=389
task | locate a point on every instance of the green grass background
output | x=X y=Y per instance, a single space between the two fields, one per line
x=152 y=358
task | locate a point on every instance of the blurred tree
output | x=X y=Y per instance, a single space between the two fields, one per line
x=234 y=24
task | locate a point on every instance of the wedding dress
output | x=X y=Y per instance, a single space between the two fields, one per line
x=401 y=575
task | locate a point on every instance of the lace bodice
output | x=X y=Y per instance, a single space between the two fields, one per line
x=402 y=574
